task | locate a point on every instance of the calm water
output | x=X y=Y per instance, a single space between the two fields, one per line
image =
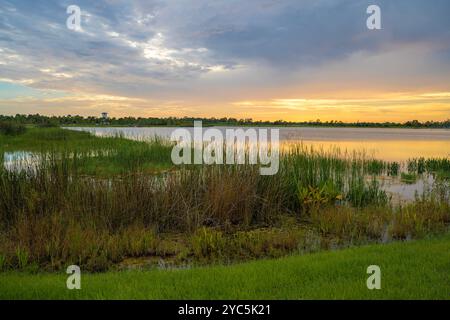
x=385 y=144
x=18 y=160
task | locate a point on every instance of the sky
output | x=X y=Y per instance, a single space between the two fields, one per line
x=295 y=60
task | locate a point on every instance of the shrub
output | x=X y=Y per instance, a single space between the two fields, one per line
x=12 y=128
x=208 y=243
x=48 y=124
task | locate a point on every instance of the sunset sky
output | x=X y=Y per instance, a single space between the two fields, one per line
x=294 y=60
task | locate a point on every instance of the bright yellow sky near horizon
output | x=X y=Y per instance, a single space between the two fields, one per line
x=397 y=107
x=261 y=59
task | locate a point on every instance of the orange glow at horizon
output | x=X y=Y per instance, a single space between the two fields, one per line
x=400 y=107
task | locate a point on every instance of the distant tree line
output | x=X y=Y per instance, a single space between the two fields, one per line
x=69 y=120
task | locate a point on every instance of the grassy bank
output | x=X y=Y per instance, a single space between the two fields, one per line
x=409 y=270
x=91 y=155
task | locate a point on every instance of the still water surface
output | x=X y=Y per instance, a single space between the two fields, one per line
x=384 y=144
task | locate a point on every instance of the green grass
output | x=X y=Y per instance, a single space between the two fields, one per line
x=410 y=270
x=99 y=156
x=39 y=139
x=408 y=178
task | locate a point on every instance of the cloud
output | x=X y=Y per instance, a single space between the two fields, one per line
x=216 y=52
x=398 y=107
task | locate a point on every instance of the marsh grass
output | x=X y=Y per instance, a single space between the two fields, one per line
x=11 y=128
x=408 y=178
x=96 y=202
x=422 y=165
x=86 y=154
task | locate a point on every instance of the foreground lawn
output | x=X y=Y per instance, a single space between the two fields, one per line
x=413 y=270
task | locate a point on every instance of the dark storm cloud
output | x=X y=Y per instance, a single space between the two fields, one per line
x=141 y=47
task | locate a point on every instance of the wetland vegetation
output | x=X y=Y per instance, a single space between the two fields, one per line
x=110 y=203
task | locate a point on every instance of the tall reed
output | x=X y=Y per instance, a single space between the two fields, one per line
x=59 y=209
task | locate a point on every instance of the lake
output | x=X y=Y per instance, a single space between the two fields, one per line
x=385 y=144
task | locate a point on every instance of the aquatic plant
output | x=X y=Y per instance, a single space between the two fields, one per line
x=97 y=201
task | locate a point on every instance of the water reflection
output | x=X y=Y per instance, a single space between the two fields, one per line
x=383 y=144
x=19 y=160
x=401 y=191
